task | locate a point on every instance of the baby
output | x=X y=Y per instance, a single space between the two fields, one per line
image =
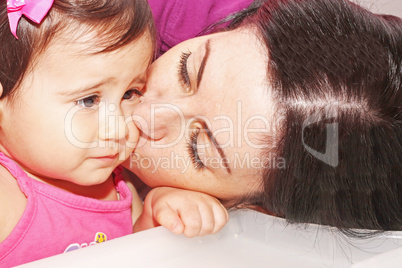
x=71 y=72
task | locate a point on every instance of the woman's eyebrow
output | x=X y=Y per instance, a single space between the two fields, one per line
x=217 y=146
x=204 y=61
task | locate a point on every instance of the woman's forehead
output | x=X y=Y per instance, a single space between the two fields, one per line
x=239 y=104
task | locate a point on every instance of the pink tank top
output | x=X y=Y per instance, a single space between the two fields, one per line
x=56 y=221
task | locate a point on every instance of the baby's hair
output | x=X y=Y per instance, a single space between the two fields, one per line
x=113 y=23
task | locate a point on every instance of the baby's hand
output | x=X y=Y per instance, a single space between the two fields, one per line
x=182 y=211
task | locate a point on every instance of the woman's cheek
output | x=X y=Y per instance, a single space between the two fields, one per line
x=132 y=137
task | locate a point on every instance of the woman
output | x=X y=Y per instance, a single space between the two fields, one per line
x=296 y=111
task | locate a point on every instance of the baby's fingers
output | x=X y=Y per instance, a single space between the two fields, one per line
x=168 y=218
x=213 y=219
x=210 y=219
x=193 y=221
x=221 y=217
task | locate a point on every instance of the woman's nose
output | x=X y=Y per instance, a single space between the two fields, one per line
x=156 y=117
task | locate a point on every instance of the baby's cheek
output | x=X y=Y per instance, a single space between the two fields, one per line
x=81 y=130
x=132 y=137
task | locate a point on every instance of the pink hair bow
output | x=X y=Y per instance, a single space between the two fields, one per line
x=35 y=10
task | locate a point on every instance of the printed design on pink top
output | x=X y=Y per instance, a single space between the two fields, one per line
x=99 y=238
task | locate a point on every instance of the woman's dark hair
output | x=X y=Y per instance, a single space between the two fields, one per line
x=114 y=22
x=335 y=72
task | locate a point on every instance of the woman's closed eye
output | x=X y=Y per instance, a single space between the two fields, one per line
x=193 y=150
x=90 y=102
x=184 y=77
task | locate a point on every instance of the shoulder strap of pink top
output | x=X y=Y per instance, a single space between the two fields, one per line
x=16 y=171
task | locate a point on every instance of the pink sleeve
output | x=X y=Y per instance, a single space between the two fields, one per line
x=179 y=20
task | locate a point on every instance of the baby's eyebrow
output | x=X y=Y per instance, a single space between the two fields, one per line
x=142 y=78
x=84 y=89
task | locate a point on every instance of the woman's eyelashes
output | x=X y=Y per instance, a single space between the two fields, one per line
x=184 y=77
x=193 y=150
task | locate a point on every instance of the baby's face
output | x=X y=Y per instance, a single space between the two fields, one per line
x=72 y=120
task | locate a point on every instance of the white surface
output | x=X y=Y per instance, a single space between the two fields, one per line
x=392 y=7
x=250 y=239
x=390 y=259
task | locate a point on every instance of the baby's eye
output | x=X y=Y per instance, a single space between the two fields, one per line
x=131 y=94
x=89 y=102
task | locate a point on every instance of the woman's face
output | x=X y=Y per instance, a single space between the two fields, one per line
x=206 y=109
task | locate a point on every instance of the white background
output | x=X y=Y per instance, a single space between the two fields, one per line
x=393 y=7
